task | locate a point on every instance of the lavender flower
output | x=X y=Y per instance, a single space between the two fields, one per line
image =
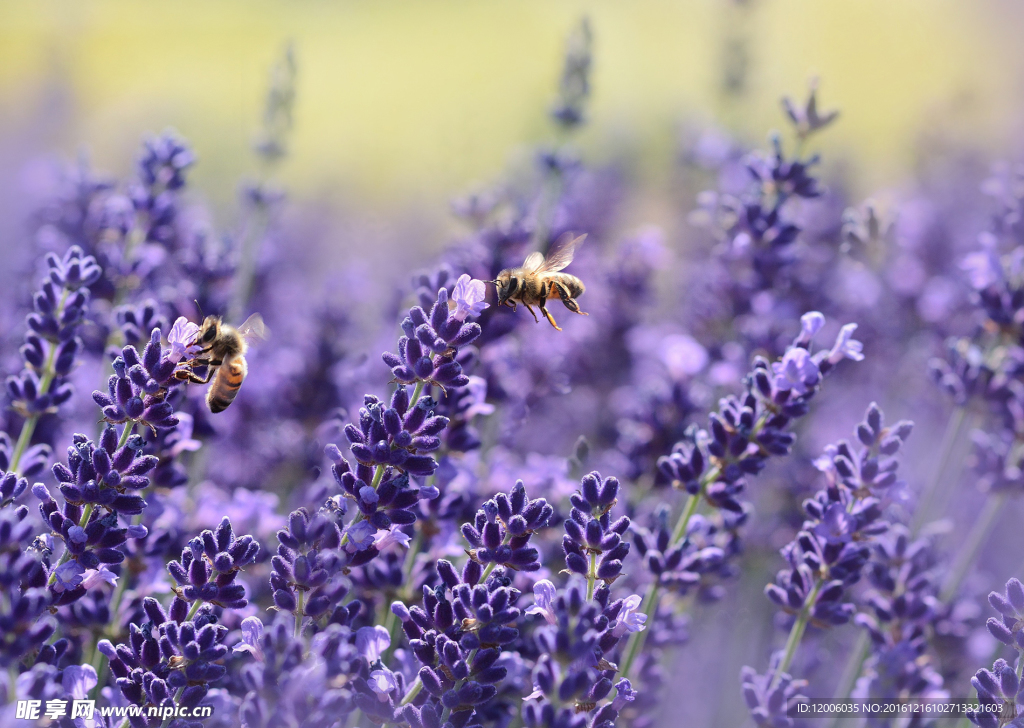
x=456 y=638
x=137 y=391
x=573 y=676
x=426 y=353
x=590 y=533
x=770 y=696
x=998 y=689
x=172 y=661
x=51 y=346
x=807 y=119
x=502 y=530
x=830 y=552
x=574 y=86
x=209 y=565
x=307 y=562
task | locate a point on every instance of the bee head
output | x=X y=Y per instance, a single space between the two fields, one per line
x=507 y=284
x=209 y=330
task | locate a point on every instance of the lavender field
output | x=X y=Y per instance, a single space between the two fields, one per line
x=645 y=412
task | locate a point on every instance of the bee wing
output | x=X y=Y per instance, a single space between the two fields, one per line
x=533 y=262
x=562 y=253
x=253 y=329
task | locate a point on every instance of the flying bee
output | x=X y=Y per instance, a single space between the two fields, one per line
x=538 y=279
x=222 y=352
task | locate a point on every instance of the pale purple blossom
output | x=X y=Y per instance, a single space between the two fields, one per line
x=477 y=389
x=372 y=641
x=68 y=575
x=383 y=683
x=846 y=347
x=467 y=298
x=360 y=535
x=629 y=619
x=389 y=537
x=181 y=340
x=92 y=578
x=826 y=463
x=810 y=324
x=78 y=680
x=252 y=635
x=183 y=441
x=837 y=526
x=797 y=371
x=624 y=693
x=543 y=601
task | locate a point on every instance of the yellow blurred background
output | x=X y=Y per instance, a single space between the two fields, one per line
x=411 y=102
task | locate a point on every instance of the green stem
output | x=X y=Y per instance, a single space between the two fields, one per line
x=416 y=394
x=177 y=696
x=391 y=622
x=691 y=508
x=377 y=475
x=414 y=690
x=649 y=605
x=592 y=575
x=925 y=507
x=298 y=614
x=487 y=572
x=86 y=514
x=852 y=670
x=966 y=556
x=195 y=608
x=458 y=685
x=796 y=634
x=99 y=660
x=125 y=434
x=637 y=639
x=247 y=262
x=177 y=699
x=28 y=428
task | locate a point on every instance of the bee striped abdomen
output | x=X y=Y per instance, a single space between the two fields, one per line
x=571 y=286
x=226 y=383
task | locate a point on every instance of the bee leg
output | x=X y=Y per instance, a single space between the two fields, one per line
x=569 y=301
x=548 y=316
x=194 y=378
x=530 y=309
x=189 y=376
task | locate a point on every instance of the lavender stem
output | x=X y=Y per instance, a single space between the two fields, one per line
x=49 y=372
x=965 y=557
x=649 y=605
x=852 y=669
x=797 y=633
x=954 y=426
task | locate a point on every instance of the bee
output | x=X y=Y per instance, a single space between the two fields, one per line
x=538 y=279
x=584 y=706
x=222 y=352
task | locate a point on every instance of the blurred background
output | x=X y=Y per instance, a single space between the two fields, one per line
x=401 y=105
